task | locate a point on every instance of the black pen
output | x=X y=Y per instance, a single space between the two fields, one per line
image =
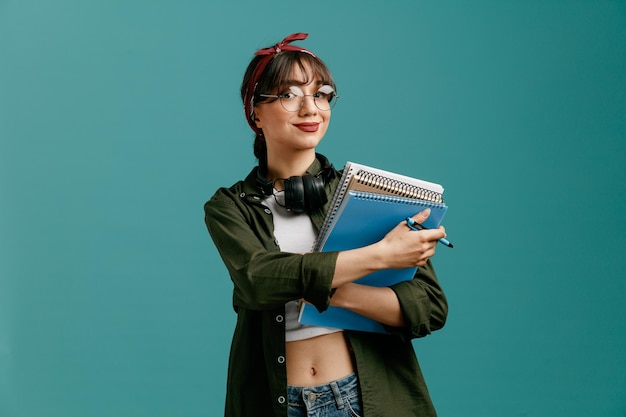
x=413 y=225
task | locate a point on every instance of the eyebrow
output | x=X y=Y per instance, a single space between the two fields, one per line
x=300 y=82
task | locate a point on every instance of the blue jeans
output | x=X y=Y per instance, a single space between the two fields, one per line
x=340 y=398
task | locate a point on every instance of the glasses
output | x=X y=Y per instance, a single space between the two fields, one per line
x=324 y=99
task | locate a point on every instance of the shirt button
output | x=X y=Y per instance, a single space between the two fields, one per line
x=268 y=211
x=281 y=359
x=242 y=195
x=279 y=318
x=281 y=400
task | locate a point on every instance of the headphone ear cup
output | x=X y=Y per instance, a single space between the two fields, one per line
x=294 y=194
x=306 y=193
x=314 y=192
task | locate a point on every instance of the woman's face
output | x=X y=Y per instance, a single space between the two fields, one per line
x=302 y=129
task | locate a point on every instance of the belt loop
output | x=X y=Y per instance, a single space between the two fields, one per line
x=337 y=394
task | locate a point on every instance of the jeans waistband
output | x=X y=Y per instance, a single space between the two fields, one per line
x=321 y=395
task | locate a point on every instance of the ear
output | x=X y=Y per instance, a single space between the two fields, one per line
x=257 y=120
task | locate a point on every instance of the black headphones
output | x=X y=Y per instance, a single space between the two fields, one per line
x=305 y=193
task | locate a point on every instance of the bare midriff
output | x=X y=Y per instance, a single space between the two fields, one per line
x=318 y=360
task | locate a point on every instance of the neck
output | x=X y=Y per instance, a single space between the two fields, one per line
x=289 y=165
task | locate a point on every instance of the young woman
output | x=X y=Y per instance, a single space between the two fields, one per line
x=264 y=228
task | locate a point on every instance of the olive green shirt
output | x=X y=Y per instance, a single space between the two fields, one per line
x=265 y=279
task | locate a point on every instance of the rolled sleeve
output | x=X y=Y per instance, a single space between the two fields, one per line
x=423 y=303
x=318 y=269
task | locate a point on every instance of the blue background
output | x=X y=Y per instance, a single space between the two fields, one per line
x=118 y=119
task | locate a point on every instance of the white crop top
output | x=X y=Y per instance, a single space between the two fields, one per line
x=295 y=233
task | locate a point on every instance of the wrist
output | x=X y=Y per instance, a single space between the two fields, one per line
x=377 y=256
x=339 y=296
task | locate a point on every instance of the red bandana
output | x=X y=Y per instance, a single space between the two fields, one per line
x=268 y=54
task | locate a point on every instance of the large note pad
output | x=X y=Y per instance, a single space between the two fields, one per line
x=359 y=177
x=363 y=218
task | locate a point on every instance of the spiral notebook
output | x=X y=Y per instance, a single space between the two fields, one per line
x=359 y=177
x=359 y=218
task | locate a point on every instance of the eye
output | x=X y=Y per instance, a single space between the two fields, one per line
x=325 y=92
x=323 y=95
x=292 y=93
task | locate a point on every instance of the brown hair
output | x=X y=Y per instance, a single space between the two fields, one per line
x=274 y=77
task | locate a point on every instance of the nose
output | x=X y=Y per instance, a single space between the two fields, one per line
x=308 y=105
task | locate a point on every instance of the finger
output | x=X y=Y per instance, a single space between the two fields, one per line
x=426 y=256
x=421 y=216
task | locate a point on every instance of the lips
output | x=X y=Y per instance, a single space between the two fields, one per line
x=308 y=127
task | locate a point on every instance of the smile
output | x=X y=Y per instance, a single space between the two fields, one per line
x=308 y=127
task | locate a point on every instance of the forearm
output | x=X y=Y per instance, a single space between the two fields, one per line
x=378 y=303
x=357 y=263
x=418 y=306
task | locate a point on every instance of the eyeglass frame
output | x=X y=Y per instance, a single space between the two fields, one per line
x=280 y=97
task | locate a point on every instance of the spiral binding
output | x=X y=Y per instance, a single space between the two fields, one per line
x=387 y=198
x=396 y=187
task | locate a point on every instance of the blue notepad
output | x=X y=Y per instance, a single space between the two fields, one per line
x=361 y=219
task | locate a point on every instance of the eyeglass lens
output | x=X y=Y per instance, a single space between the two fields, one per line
x=324 y=98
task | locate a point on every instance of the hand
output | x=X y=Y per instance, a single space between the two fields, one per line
x=404 y=248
